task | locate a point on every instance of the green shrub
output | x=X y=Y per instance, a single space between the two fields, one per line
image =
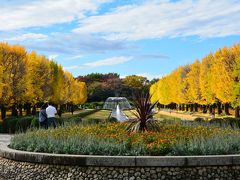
x=111 y=119
x=93 y=105
x=219 y=144
x=217 y=121
x=74 y=145
x=9 y=125
x=1 y=127
x=60 y=121
x=112 y=139
x=19 y=124
x=35 y=123
x=91 y=121
x=232 y=122
x=199 y=119
x=23 y=123
x=78 y=117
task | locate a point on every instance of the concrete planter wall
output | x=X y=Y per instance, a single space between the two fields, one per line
x=16 y=164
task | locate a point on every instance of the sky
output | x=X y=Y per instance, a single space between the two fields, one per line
x=143 y=37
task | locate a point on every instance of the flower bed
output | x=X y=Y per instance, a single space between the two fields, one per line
x=112 y=139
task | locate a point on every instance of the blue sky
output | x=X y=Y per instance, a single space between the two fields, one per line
x=143 y=37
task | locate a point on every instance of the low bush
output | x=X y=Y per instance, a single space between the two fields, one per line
x=35 y=123
x=23 y=123
x=9 y=125
x=199 y=119
x=1 y=126
x=218 y=144
x=75 y=145
x=59 y=121
x=233 y=122
x=77 y=118
x=92 y=121
x=226 y=122
x=19 y=124
x=111 y=119
x=93 y=105
x=217 y=121
x=112 y=139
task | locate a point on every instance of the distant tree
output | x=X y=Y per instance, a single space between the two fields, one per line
x=154 y=80
x=13 y=60
x=27 y=80
x=235 y=99
x=135 y=82
x=209 y=83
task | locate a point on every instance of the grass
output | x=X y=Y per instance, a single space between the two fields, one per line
x=103 y=114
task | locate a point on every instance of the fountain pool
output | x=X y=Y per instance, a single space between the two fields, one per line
x=117 y=104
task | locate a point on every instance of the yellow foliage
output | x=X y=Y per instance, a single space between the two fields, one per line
x=216 y=78
x=31 y=78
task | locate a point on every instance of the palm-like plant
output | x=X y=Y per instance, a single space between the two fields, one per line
x=144 y=115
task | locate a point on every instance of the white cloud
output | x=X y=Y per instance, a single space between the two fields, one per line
x=71 y=67
x=150 y=76
x=105 y=62
x=165 y=18
x=53 y=56
x=71 y=44
x=27 y=36
x=108 y=62
x=39 y=13
x=76 y=57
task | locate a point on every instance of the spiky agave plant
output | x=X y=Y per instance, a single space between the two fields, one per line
x=144 y=111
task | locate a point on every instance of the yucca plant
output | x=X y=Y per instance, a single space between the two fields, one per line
x=144 y=111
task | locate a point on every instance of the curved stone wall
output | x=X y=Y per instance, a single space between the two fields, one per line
x=27 y=165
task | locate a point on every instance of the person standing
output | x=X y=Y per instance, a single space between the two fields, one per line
x=51 y=111
x=43 y=117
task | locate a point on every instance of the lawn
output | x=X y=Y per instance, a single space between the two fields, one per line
x=103 y=114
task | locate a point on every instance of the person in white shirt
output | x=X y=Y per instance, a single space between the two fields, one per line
x=51 y=111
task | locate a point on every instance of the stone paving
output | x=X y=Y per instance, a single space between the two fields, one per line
x=5 y=138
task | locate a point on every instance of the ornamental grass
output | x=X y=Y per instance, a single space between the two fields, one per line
x=175 y=138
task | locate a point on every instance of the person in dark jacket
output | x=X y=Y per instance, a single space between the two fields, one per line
x=43 y=117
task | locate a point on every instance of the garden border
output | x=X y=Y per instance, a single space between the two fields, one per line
x=119 y=161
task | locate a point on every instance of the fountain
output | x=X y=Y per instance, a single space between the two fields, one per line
x=117 y=104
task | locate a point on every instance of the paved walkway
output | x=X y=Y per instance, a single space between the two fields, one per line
x=5 y=139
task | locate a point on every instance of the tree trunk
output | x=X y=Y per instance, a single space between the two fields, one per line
x=196 y=107
x=191 y=107
x=72 y=108
x=14 y=111
x=34 y=110
x=210 y=109
x=219 y=109
x=187 y=107
x=204 y=109
x=3 y=112
x=20 y=110
x=226 y=109
x=60 y=111
x=237 y=112
x=28 y=109
x=180 y=107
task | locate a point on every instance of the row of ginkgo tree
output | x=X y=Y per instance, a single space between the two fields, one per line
x=28 y=79
x=212 y=84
